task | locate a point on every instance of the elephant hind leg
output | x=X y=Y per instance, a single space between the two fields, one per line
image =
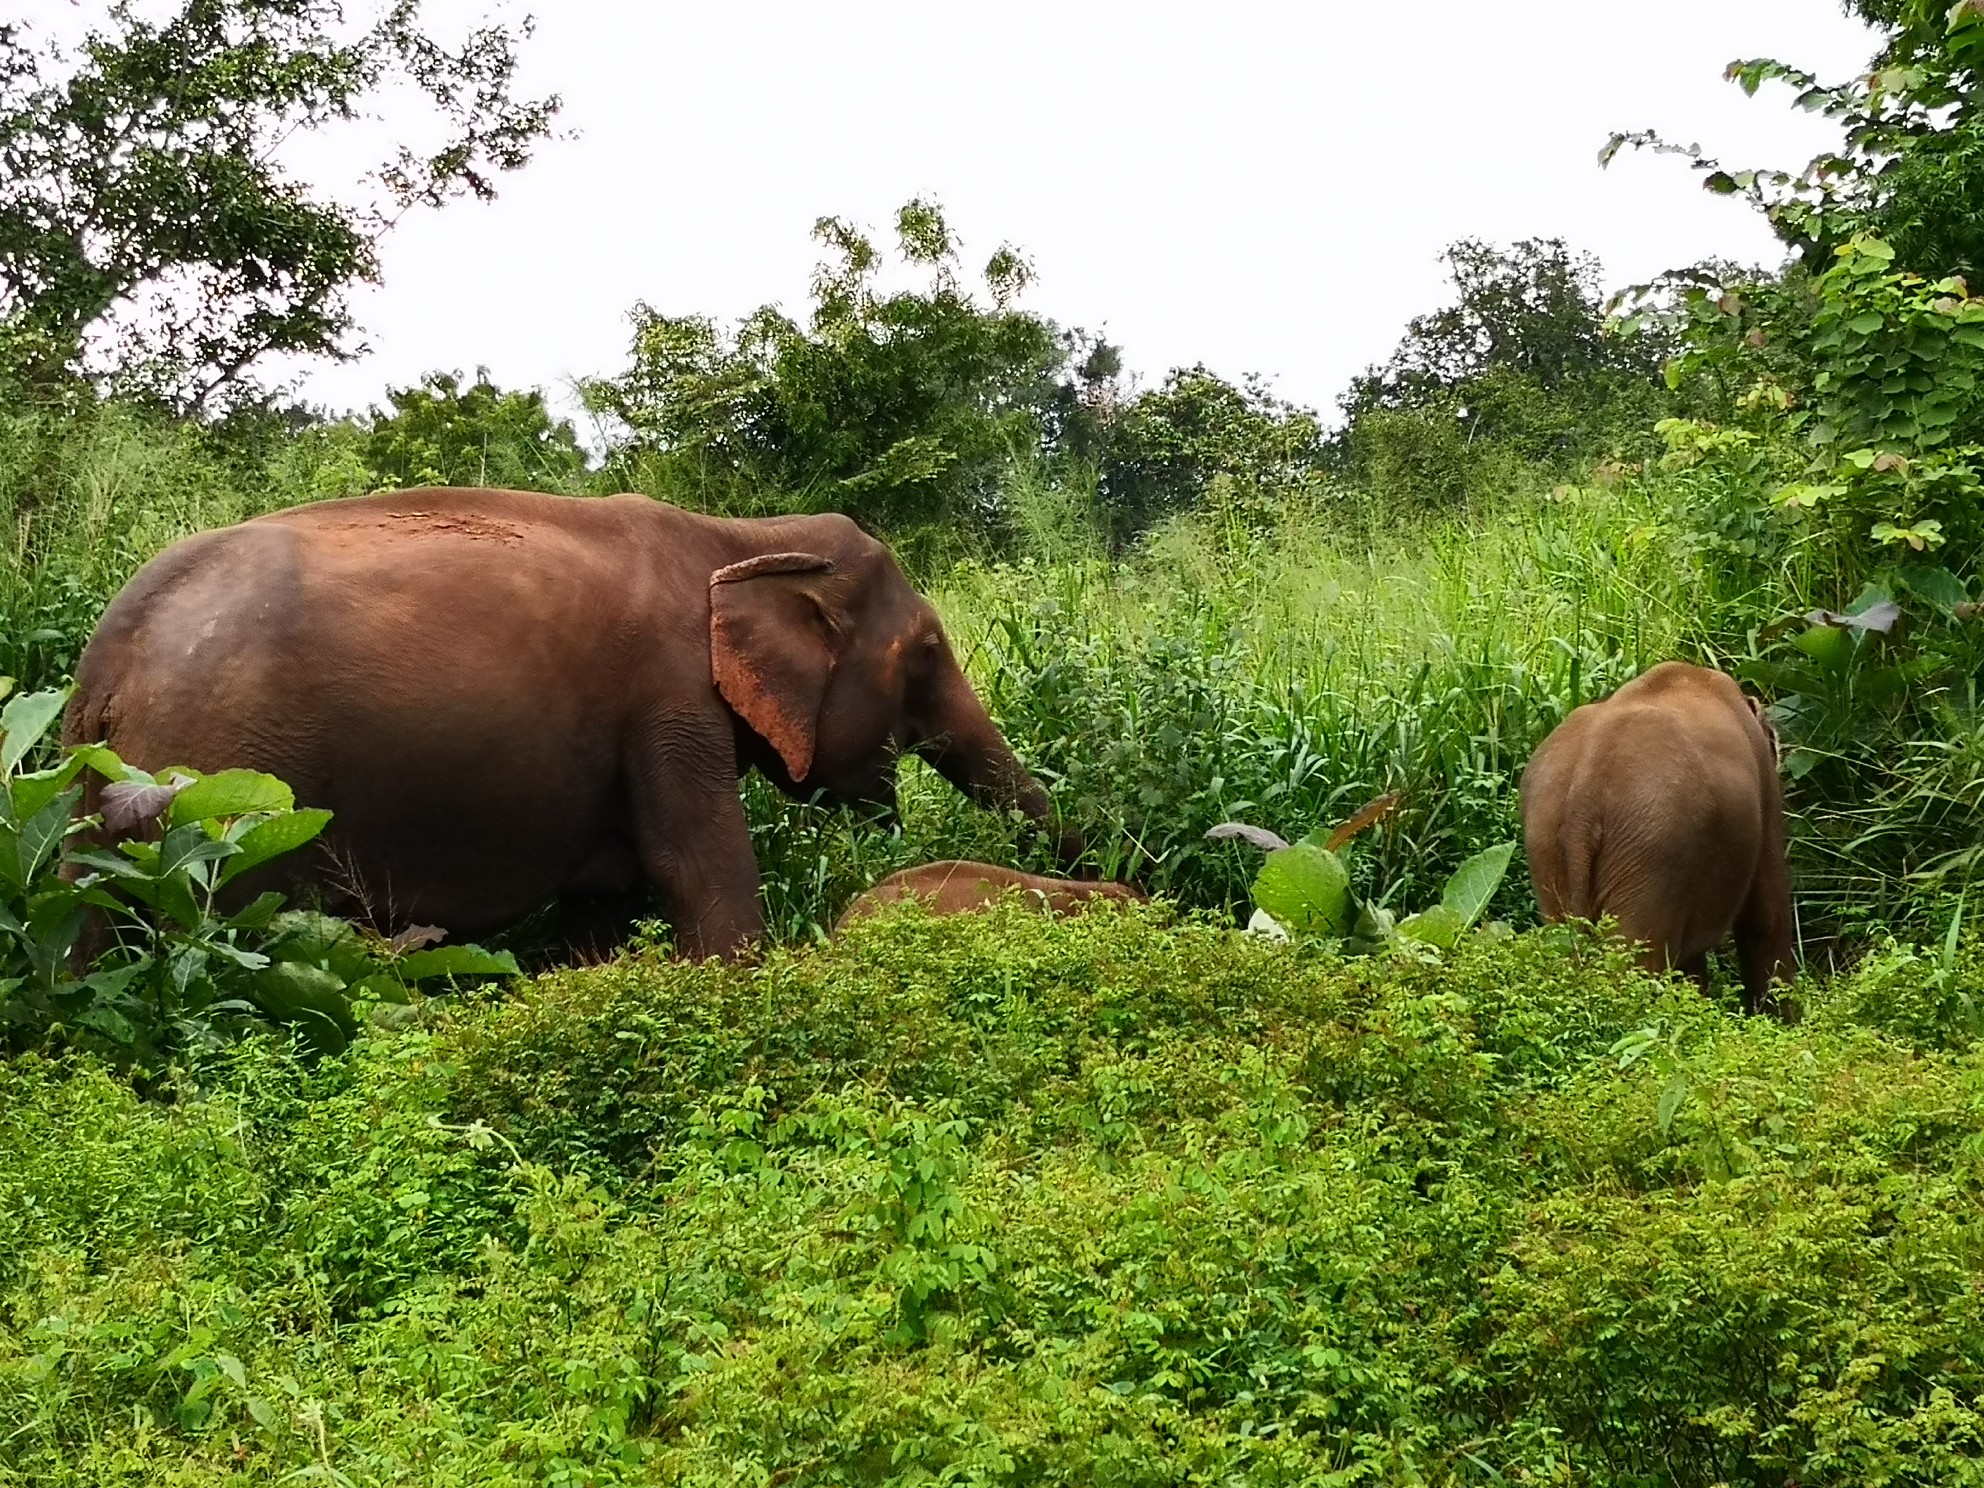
x=594 y=925
x=1763 y=948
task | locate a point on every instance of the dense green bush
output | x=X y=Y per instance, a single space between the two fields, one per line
x=442 y=434
x=1518 y=371
x=1118 y=1199
x=1163 y=449
x=901 y=409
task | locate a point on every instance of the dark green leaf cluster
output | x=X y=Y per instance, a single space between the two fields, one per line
x=902 y=409
x=442 y=434
x=1164 y=449
x=1521 y=362
x=1909 y=165
x=180 y=958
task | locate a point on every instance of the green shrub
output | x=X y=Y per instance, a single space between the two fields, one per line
x=1121 y=1198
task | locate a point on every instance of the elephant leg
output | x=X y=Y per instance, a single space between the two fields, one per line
x=1763 y=938
x=1695 y=968
x=594 y=925
x=1765 y=956
x=692 y=839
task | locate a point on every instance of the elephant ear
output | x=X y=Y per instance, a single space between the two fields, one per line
x=772 y=649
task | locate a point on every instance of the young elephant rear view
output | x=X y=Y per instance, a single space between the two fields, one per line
x=506 y=697
x=1659 y=806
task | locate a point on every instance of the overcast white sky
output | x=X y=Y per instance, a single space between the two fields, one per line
x=1265 y=187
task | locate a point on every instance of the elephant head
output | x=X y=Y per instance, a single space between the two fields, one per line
x=835 y=667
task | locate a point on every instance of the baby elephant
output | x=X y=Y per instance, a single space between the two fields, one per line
x=957 y=887
x=1659 y=807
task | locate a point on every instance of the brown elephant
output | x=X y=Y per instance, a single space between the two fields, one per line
x=507 y=697
x=957 y=887
x=1659 y=806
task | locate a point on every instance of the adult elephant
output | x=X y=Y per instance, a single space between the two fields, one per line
x=1659 y=806
x=506 y=697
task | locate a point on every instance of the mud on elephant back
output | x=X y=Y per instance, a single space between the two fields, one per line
x=507 y=697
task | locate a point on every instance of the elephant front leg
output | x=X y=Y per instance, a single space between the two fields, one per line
x=695 y=846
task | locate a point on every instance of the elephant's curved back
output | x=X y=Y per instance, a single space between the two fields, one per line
x=957 y=886
x=186 y=646
x=1645 y=807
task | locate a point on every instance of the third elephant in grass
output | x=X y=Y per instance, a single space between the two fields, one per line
x=956 y=887
x=1659 y=806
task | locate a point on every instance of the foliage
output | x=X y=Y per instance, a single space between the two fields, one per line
x=1908 y=165
x=1304 y=888
x=1164 y=448
x=148 y=227
x=1004 y=1198
x=442 y=434
x=898 y=408
x=183 y=970
x=1520 y=363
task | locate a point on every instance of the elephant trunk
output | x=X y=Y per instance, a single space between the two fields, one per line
x=968 y=750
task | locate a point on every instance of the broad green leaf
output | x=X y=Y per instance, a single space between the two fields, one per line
x=274 y=837
x=102 y=759
x=32 y=792
x=24 y=720
x=1937 y=585
x=245 y=959
x=258 y=915
x=463 y=960
x=109 y=1022
x=1438 y=926
x=1374 y=927
x=1635 y=1044
x=186 y=846
x=287 y=990
x=322 y=940
x=1475 y=881
x=1306 y=889
x=231 y=793
x=1830 y=646
x=381 y=987
x=41 y=836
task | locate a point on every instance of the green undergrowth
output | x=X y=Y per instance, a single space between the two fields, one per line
x=997 y=1199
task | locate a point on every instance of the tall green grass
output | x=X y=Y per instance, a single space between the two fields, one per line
x=1276 y=660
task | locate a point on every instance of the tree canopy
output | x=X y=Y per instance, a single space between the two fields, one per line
x=150 y=229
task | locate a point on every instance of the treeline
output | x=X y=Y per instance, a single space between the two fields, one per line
x=928 y=413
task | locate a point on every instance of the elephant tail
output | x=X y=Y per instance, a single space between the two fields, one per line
x=1583 y=895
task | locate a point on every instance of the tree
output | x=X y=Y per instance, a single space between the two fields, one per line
x=1521 y=357
x=901 y=409
x=440 y=433
x=1164 y=447
x=1909 y=166
x=149 y=229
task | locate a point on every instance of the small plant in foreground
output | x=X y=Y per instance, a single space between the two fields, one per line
x=1304 y=888
x=179 y=970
